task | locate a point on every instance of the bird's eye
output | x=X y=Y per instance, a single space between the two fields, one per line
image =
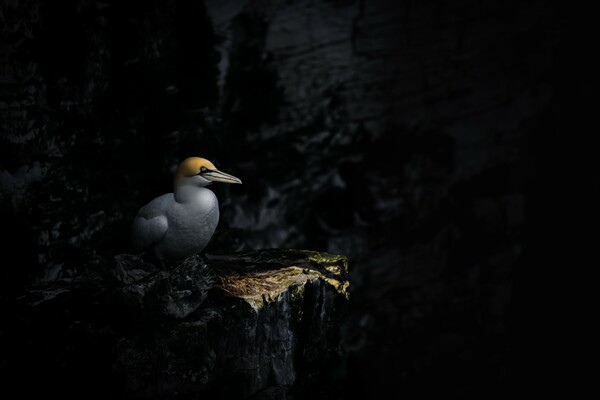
x=203 y=169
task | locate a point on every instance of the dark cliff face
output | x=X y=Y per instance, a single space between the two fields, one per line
x=417 y=139
x=100 y=101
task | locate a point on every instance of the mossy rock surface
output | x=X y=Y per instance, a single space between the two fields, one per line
x=262 y=324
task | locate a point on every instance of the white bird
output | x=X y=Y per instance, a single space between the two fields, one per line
x=177 y=225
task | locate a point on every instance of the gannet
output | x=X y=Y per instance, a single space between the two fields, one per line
x=177 y=225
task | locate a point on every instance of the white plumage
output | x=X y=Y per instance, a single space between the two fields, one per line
x=177 y=225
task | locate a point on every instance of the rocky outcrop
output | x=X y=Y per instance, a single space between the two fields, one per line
x=262 y=324
x=426 y=141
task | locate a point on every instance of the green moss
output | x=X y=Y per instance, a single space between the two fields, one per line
x=265 y=274
x=335 y=263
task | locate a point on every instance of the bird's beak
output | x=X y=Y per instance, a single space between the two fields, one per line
x=218 y=176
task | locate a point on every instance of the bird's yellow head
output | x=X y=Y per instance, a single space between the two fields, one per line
x=193 y=166
x=201 y=169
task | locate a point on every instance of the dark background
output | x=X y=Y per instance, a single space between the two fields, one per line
x=438 y=145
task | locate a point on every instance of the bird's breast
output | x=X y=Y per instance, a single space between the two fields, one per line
x=201 y=209
x=191 y=225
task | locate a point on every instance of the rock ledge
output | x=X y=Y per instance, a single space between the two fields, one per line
x=262 y=324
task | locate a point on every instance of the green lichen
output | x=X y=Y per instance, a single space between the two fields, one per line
x=267 y=274
x=335 y=263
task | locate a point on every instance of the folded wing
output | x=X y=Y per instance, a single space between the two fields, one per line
x=151 y=224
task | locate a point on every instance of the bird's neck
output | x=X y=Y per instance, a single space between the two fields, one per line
x=187 y=193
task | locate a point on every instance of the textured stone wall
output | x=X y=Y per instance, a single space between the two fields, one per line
x=409 y=133
x=100 y=101
x=420 y=139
